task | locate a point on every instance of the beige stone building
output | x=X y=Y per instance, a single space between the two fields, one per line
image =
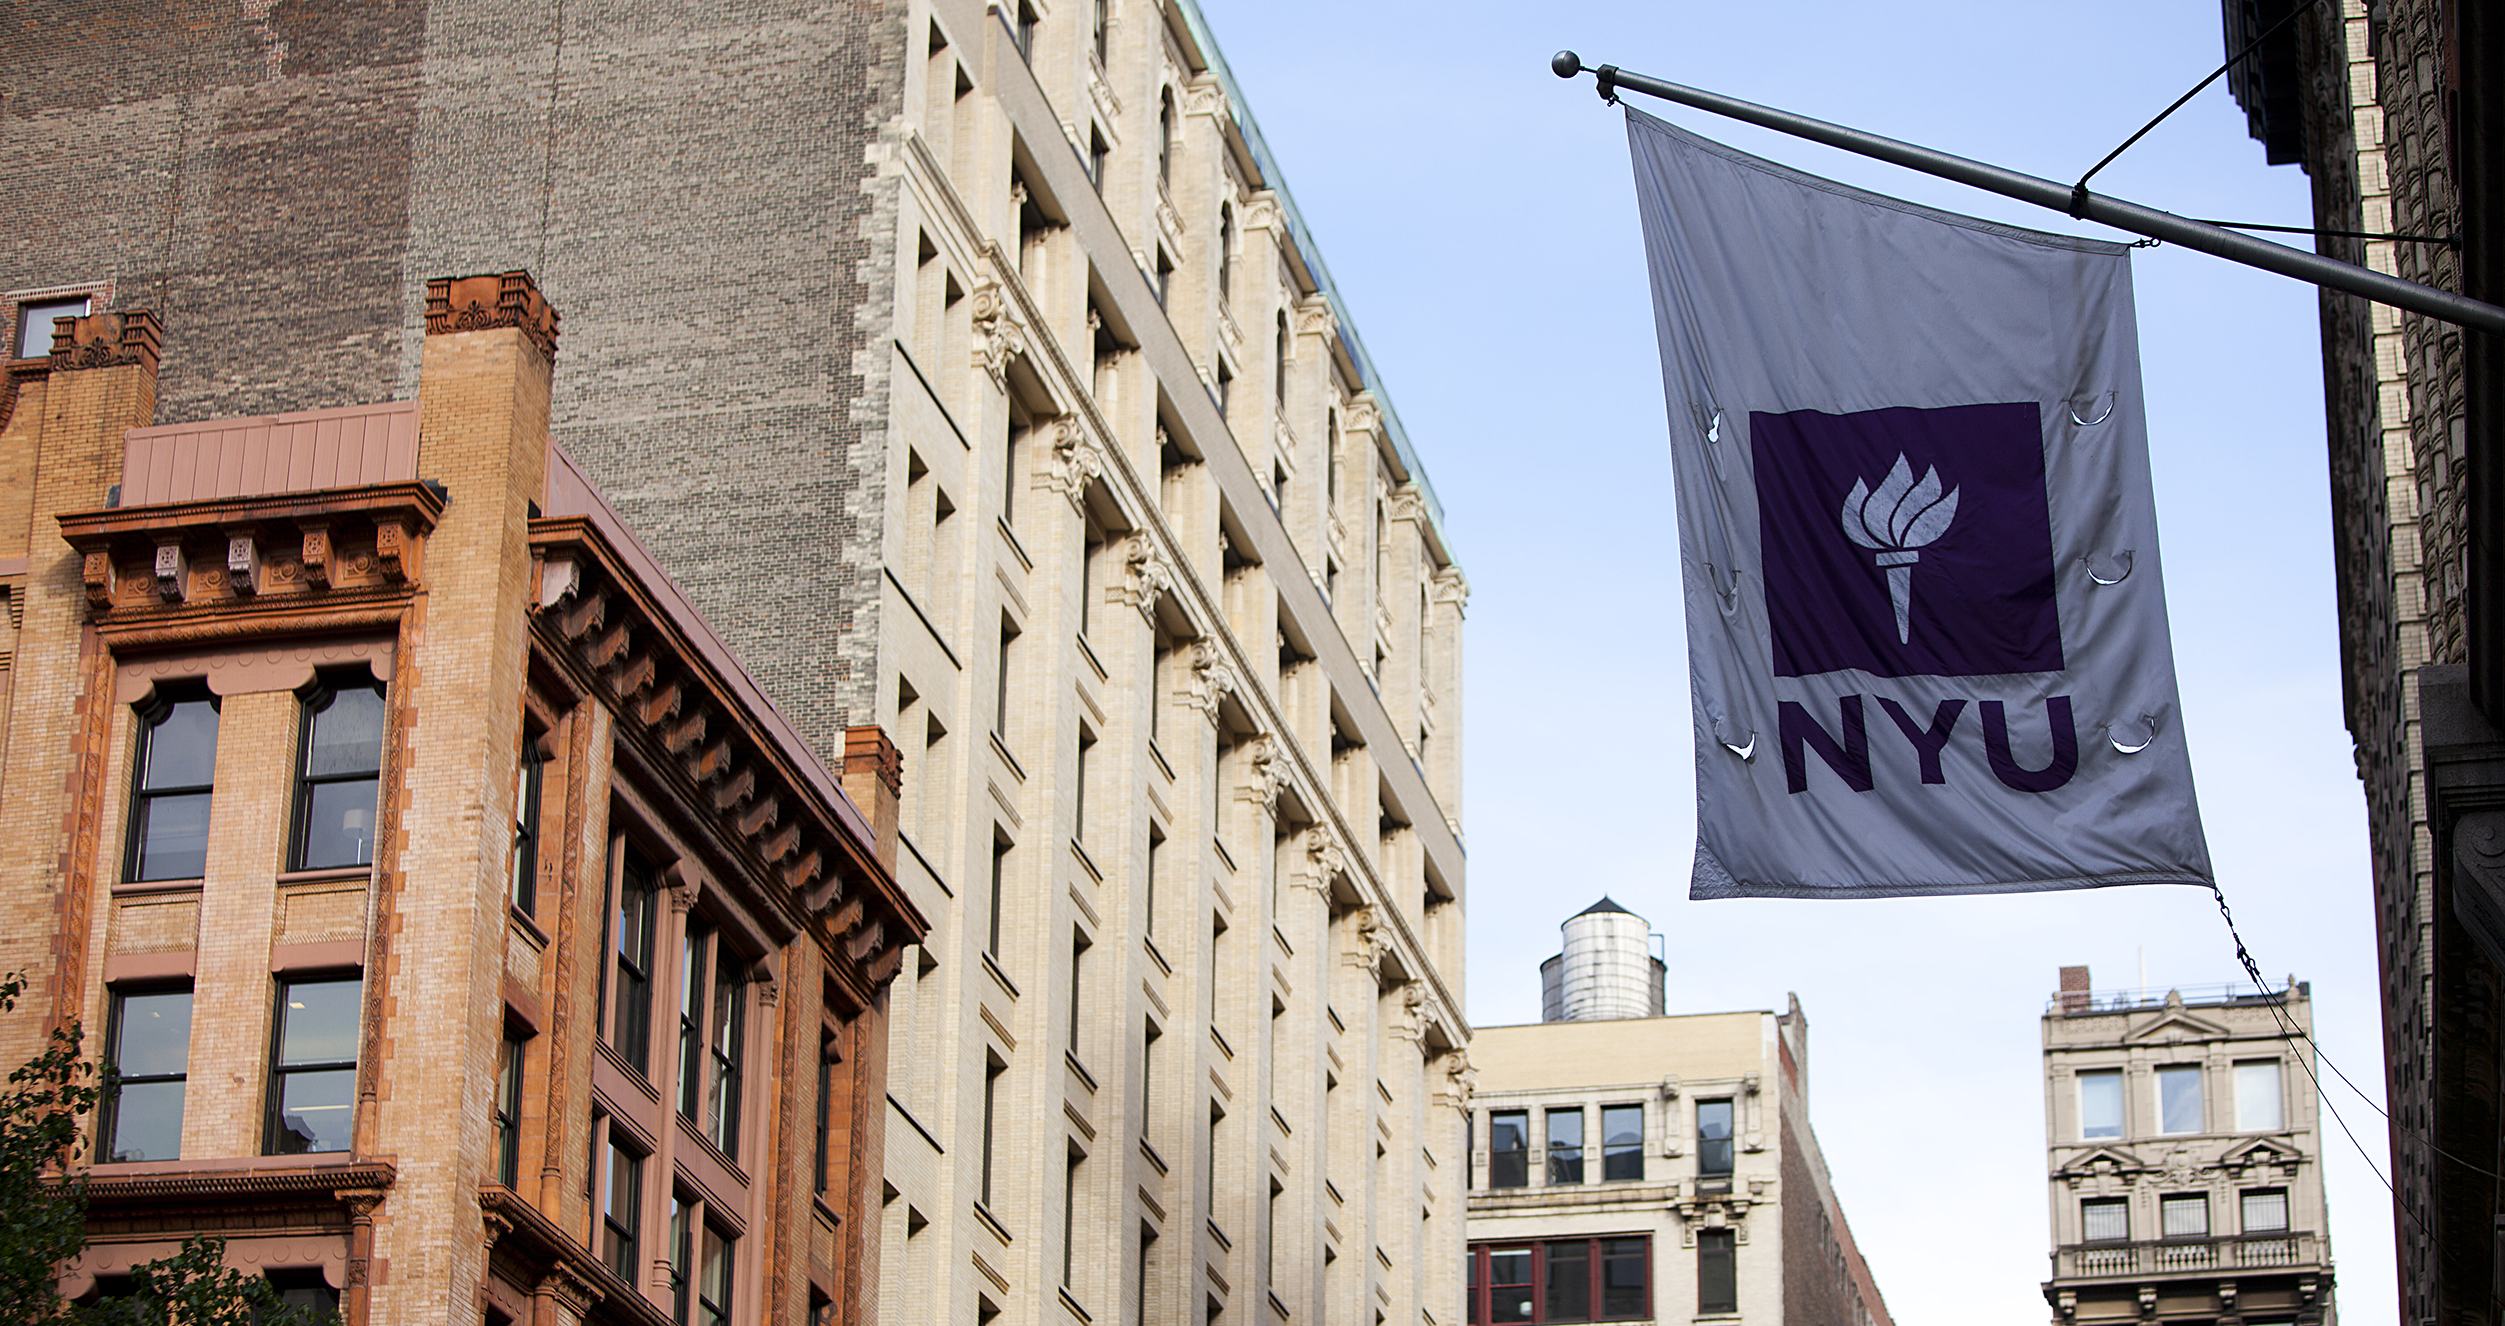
x=1174 y=642
x=1630 y=1166
x=473 y=940
x=2184 y=1157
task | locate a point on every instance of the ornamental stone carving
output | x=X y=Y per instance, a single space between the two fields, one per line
x=1365 y=938
x=1076 y=460
x=999 y=334
x=1323 y=862
x=1146 y=576
x=1261 y=211
x=1452 y=587
x=1406 y=503
x=1211 y=680
x=1265 y=772
x=1204 y=97
x=1315 y=318
x=1363 y=415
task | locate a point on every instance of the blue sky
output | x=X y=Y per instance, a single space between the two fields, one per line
x=1479 y=217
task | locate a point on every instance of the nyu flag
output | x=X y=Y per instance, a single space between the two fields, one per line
x=1918 y=550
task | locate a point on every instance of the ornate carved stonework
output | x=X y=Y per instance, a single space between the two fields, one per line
x=1315 y=318
x=1211 y=680
x=480 y=303
x=1265 y=772
x=1261 y=211
x=1363 y=414
x=1365 y=938
x=105 y=340
x=1452 y=587
x=243 y=560
x=1075 y=461
x=1405 y=503
x=999 y=333
x=1146 y=576
x=1204 y=97
x=1323 y=862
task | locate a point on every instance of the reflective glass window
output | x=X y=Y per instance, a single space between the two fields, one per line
x=1622 y=1143
x=335 y=780
x=169 y=802
x=150 y=1047
x=313 y=1086
x=2100 y=1104
x=2179 y=1099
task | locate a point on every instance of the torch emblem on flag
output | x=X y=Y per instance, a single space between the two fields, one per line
x=1895 y=522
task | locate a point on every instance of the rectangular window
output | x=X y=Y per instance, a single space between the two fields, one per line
x=523 y=871
x=1000 y=710
x=693 y=951
x=2100 y=1104
x=1622 y=1143
x=1148 y=890
x=313 y=1075
x=827 y=1059
x=2105 y=1220
x=149 y=1046
x=1209 y=1176
x=508 y=1116
x=1078 y=984
x=169 y=799
x=34 y=323
x=630 y=1029
x=2257 y=1103
x=991 y=1114
x=1713 y=1139
x=2179 y=1099
x=1565 y=1146
x=1569 y=1281
x=1000 y=871
x=729 y=1053
x=2265 y=1210
x=713 y=1280
x=340 y=764
x=622 y=1212
x=1069 y=1218
x=1509 y=1149
x=1509 y=1285
x=2185 y=1216
x=1717 y=1271
x=1625 y=1279
x=1078 y=789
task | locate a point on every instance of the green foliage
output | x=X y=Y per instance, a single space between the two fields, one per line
x=43 y=1214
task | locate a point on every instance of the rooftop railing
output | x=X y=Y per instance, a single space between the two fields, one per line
x=2125 y=1001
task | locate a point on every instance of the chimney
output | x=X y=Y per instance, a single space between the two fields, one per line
x=2074 y=989
x=874 y=777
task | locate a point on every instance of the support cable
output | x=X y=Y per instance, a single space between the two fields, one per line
x=2079 y=191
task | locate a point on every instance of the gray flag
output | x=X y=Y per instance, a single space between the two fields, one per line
x=1917 y=547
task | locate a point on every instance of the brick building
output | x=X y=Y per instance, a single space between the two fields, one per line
x=1629 y=1165
x=2396 y=111
x=473 y=939
x=2183 y=1157
x=972 y=370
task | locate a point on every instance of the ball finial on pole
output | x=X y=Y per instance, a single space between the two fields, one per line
x=1566 y=64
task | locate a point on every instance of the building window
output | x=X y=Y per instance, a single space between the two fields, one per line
x=830 y=1053
x=1070 y=1216
x=169 y=800
x=992 y=1069
x=1096 y=154
x=1713 y=1139
x=1565 y=1146
x=1509 y=1149
x=712 y=1034
x=2105 y=1220
x=313 y=1075
x=2257 y=1102
x=622 y=1211
x=1622 y=1143
x=1226 y=251
x=1278 y=366
x=2100 y=1104
x=1078 y=985
x=1165 y=136
x=1027 y=21
x=683 y=1219
x=713 y=1279
x=335 y=779
x=1000 y=875
x=149 y=1046
x=630 y=1030
x=1717 y=1271
x=2179 y=1099
x=694 y=951
x=1078 y=788
x=34 y=322
x=523 y=871
x=1560 y=1280
x=2184 y=1216
x=508 y=1115
x=1101 y=32
x=2265 y=1210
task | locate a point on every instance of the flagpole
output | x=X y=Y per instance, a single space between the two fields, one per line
x=2442 y=305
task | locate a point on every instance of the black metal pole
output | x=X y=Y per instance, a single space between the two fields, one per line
x=2442 y=305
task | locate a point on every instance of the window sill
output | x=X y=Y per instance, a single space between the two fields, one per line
x=326 y=875
x=530 y=928
x=992 y=1223
x=1001 y=749
x=140 y=888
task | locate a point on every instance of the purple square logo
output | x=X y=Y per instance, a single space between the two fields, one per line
x=1906 y=542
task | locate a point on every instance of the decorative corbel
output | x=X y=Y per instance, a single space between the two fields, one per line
x=1147 y=576
x=317 y=553
x=101 y=576
x=173 y=571
x=1265 y=772
x=1076 y=460
x=243 y=559
x=392 y=549
x=998 y=336
x=1211 y=680
x=1324 y=862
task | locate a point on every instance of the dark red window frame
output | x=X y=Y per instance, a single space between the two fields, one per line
x=1478 y=1271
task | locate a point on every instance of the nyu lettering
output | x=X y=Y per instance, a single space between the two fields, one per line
x=1848 y=754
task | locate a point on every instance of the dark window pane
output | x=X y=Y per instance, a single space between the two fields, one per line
x=1622 y=1141
x=1509 y=1161
x=318 y=1023
x=714 y=1295
x=1625 y=1270
x=347 y=736
x=173 y=836
x=305 y=1289
x=182 y=747
x=1565 y=1146
x=147 y=1122
x=1509 y=1285
x=1713 y=1138
x=314 y=1110
x=621 y=1214
x=338 y=825
x=1570 y=1281
x=155 y=1034
x=1717 y=1271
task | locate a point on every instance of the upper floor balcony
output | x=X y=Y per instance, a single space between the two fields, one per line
x=2291 y=1250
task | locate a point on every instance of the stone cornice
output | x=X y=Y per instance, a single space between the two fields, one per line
x=219 y=554
x=517 y=1228
x=802 y=858
x=497 y=299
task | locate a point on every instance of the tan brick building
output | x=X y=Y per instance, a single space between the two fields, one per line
x=2183 y=1155
x=473 y=939
x=1629 y=1166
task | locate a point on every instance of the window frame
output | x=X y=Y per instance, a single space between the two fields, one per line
x=506 y=1116
x=148 y=719
x=2244 y=1210
x=1613 y=1152
x=629 y=862
x=529 y=793
x=1478 y=1276
x=2121 y=1099
x=1497 y=1152
x=2169 y=1203
x=1717 y=1246
x=20 y=329
x=1718 y=1157
x=326 y=692
x=2198 y=1076
x=1560 y=1164
x=274 y=1104
x=2119 y=1204
x=109 y=1107
x=2244 y=1070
